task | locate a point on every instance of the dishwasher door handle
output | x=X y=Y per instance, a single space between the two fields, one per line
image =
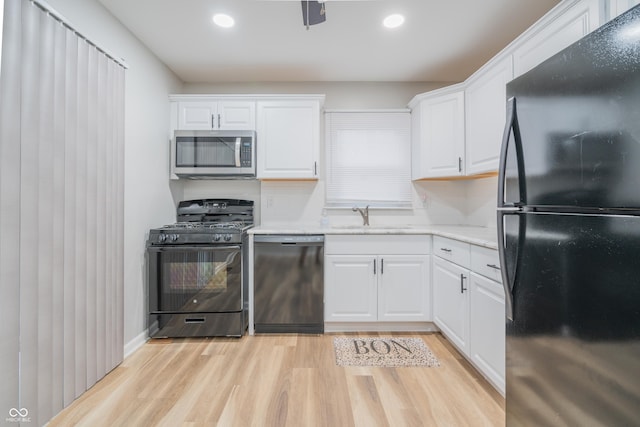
x=302 y=240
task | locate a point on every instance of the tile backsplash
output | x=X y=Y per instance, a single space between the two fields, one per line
x=469 y=202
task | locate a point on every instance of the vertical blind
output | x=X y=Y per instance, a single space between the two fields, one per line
x=61 y=200
x=369 y=159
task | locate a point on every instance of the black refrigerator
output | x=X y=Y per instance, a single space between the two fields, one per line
x=569 y=234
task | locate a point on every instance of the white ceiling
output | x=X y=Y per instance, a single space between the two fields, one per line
x=442 y=40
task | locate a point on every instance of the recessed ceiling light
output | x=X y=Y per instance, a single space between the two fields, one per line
x=222 y=20
x=393 y=21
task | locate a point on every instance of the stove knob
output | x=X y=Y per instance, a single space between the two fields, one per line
x=174 y=237
x=227 y=237
x=162 y=238
x=216 y=238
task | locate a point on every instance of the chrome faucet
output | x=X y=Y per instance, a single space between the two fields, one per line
x=364 y=213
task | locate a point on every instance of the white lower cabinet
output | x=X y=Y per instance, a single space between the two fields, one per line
x=377 y=278
x=468 y=304
x=451 y=302
x=487 y=323
x=351 y=292
x=403 y=294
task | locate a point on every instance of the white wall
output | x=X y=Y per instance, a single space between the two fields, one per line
x=149 y=199
x=482 y=195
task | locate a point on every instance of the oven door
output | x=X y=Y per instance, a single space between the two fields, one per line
x=195 y=279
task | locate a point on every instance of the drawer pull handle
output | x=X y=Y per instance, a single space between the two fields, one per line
x=445 y=250
x=495 y=267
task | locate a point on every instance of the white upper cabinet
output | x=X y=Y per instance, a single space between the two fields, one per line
x=437 y=126
x=288 y=133
x=237 y=115
x=216 y=115
x=485 y=111
x=617 y=7
x=457 y=131
x=555 y=32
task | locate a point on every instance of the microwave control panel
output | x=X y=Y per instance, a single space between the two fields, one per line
x=245 y=154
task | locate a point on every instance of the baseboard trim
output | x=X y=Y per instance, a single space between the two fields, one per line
x=135 y=343
x=380 y=327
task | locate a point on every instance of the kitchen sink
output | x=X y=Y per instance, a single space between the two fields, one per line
x=371 y=227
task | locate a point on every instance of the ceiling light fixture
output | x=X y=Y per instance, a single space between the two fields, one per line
x=222 y=20
x=393 y=21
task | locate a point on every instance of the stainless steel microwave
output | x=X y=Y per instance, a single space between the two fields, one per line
x=213 y=154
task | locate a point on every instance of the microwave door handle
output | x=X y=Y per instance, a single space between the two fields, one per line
x=238 y=152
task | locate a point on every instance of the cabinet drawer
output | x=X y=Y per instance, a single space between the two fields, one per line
x=375 y=244
x=452 y=250
x=486 y=262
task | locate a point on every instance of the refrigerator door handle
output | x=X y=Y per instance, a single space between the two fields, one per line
x=502 y=166
x=511 y=126
x=515 y=207
x=508 y=287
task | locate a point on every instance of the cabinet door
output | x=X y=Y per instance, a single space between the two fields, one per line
x=288 y=139
x=451 y=302
x=403 y=288
x=485 y=112
x=350 y=292
x=236 y=115
x=441 y=136
x=197 y=115
x=618 y=7
x=549 y=38
x=487 y=323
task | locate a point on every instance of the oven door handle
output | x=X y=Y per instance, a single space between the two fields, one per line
x=182 y=248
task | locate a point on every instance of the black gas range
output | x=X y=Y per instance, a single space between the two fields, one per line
x=197 y=270
x=205 y=221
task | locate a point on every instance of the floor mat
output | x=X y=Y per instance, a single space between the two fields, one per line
x=385 y=352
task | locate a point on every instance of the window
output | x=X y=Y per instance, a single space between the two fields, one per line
x=369 y=159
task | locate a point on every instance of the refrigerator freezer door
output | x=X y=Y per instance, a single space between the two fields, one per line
x=573 y=346
x=578 y=115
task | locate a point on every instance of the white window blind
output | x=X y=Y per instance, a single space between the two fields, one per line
x=369 y=159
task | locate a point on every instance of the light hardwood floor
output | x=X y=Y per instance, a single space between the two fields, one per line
x=282 y=380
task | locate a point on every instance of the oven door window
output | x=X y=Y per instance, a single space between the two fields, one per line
x=200 y=280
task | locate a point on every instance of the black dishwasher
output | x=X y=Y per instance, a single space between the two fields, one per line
x=289 y=284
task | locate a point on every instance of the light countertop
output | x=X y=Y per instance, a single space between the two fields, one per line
x=480 y=236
